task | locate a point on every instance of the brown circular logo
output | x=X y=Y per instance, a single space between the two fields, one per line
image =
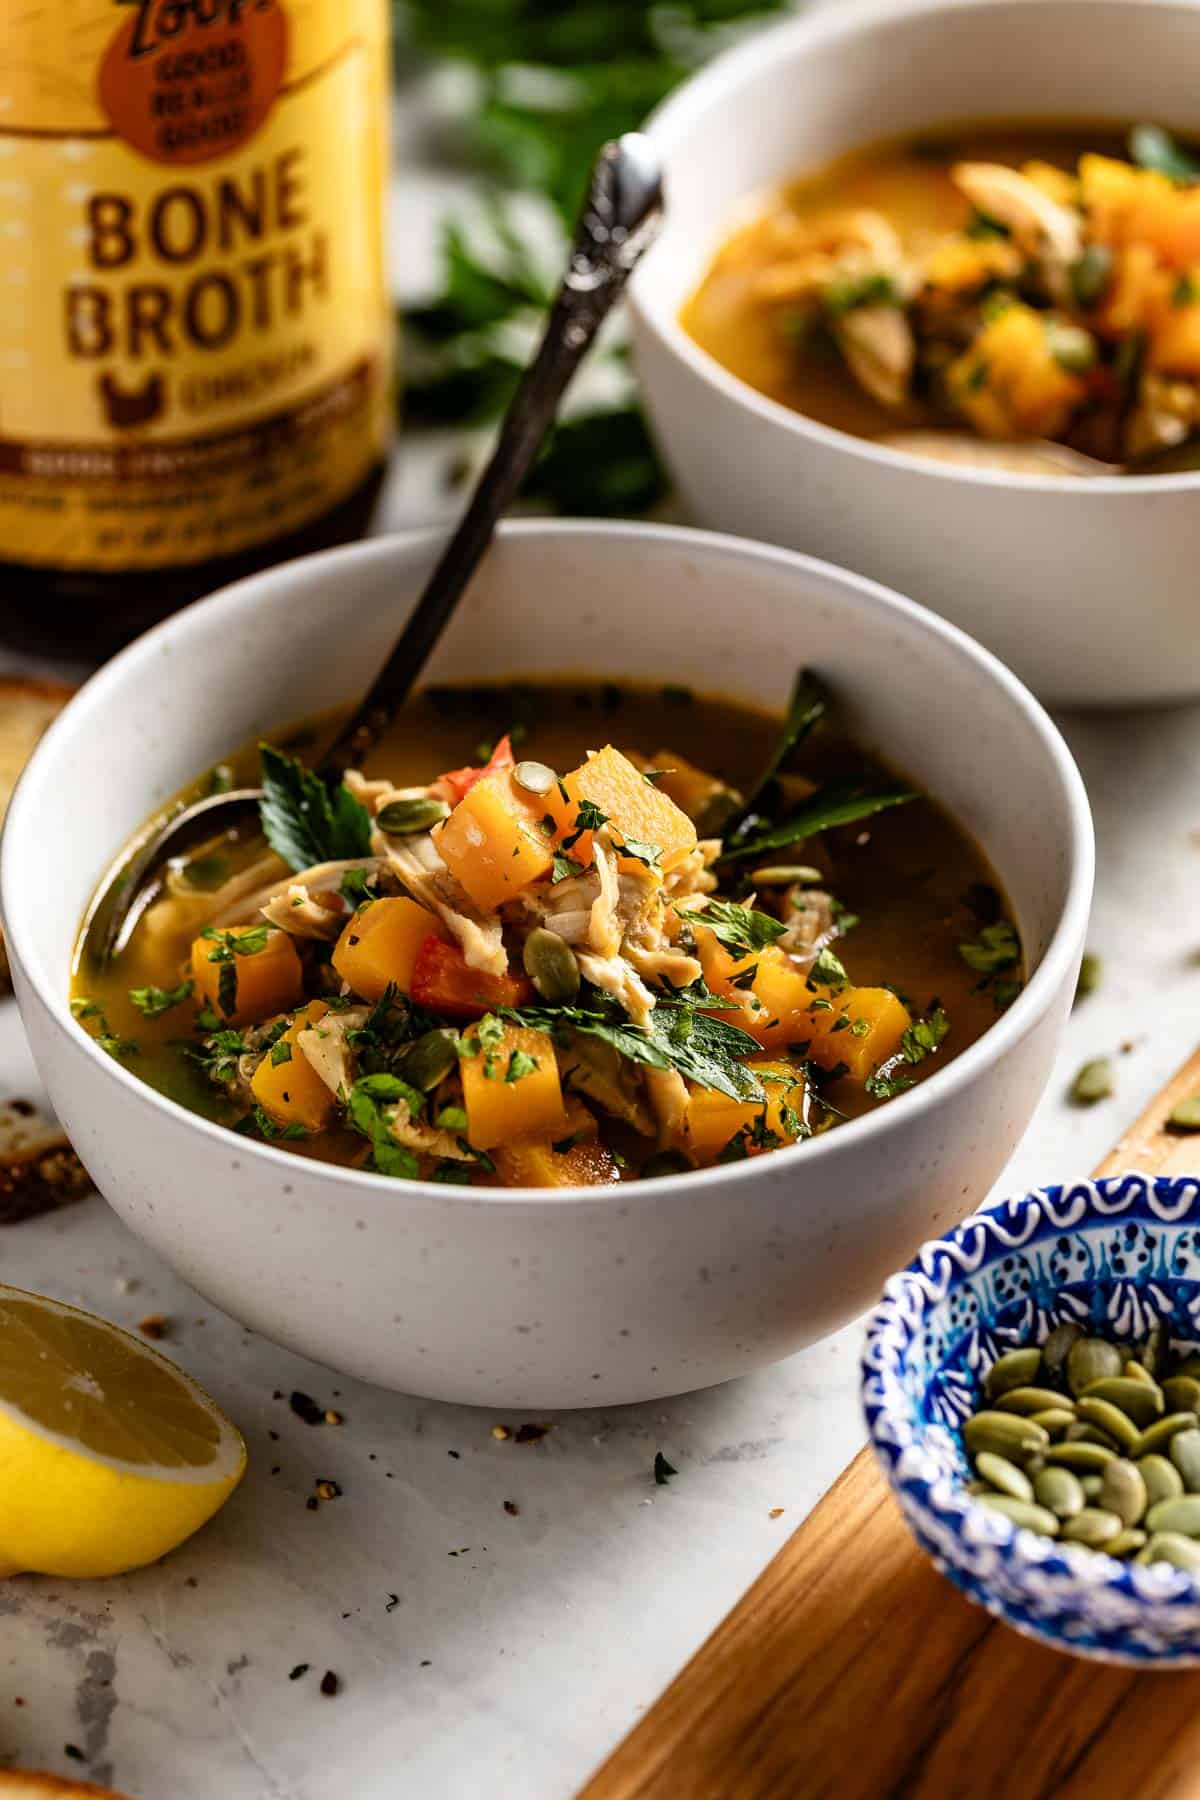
x=184 y=81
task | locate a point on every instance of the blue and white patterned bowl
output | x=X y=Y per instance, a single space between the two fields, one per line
x=1119 y=1256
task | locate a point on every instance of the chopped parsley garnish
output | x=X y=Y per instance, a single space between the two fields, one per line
x=827 y=971
x=996 y=947
x=741 y=928
x=564 y=867
x=355 y=886
x=152 y=1002
x=519 y=1065
x=925 y=1035
x=280 y=1053
x=228 y=944
x=306 y=822
x=588 y=817
x=365 y=1112
x=259 y=1119
x=852 y=291
x=881 y=1086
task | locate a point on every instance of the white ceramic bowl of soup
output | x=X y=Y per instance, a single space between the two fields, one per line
x=1085 y=587
x=534 y=1297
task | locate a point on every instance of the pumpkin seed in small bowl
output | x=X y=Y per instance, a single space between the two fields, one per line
x=1031 y=1383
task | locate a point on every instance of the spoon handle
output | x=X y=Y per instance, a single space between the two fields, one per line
x=620 y=218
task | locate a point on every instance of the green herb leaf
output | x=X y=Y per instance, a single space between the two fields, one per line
x=365 y=1113
x=852 y=291
x=281 y=1053
x=996 y=947
x=926 y=1035
x=520 y=1065
x=838 y=803
x=808 y=706
x=1151 y=147
x=304 y=821
x=154 y=1001
x=741 y=928
x=827 y=971
x=882 y=1086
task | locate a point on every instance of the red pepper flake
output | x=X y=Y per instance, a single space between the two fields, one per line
x=532 y=1434
x=776 y=1512
x=312 y=1503
x=300 y=1670
x=154 y=1325
x=74 y=1752
x=328 y=1490
x=333 y=1417
x=501 y=1431
x=329 y=1684
x=306 y=1408
x=454 y=1453
x=393 y=1601
x=512 y=1509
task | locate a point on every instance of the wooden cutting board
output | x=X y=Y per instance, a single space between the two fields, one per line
x=852 y=1668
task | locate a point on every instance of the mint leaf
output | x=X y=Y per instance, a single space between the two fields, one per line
x=152 y=1002
x=304 y=821
x=740 y=928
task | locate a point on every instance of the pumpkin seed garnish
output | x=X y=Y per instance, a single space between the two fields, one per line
x=551 y=966
x=1185 y=1115
x=1022 y=1512
x=1091 y=1359
x=1180 y=1514
x=1161 y=1478
x=534 y=777
x=1171 y=1547
x=1060 y=1491
x=1004 y=1476
x=783 y=874
x=1093 y=1082
x=1015 y=1369
x=1094 y=1526
x=401 y=818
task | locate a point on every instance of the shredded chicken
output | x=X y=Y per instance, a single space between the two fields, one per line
x=668 y=1095
x=324 y=1046
x=664 y=964
x=594 y=1069
x=604 y=928
x=375 y=795
x=236 y=908
x=427 y=1140
x=613 y=975
x=421 y=870
x=880 y=350
x=809 y=917
x=1037 y=222
x=305 y=915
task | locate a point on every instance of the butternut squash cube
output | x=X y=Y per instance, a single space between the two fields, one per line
x=243 y=986
x=1009 y=382
x=713 y=1121
x=859 y=1027
x=634 y=808
x=511 y=1087
x=289 y=1088
x=494 y=841
x=693 y=790
x=534 y=1162
x=379 y=946
x=775 y=1000
x=1175 y=341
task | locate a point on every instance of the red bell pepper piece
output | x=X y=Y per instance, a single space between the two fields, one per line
x=459 y=782
x=444 y=982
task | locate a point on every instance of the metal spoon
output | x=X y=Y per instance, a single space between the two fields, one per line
x=619 y=220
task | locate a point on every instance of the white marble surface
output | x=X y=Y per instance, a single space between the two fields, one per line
x=481 y=1653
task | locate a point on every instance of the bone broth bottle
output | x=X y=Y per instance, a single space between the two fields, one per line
x=195 y=335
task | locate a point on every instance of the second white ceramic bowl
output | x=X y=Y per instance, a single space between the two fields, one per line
x=528 y=1297
x=1085 y=588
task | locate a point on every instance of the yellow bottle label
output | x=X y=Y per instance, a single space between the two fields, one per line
x=194 y=324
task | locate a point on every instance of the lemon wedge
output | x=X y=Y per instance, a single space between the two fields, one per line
x=110 y=1456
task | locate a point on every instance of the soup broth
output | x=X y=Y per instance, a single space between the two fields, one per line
x=882 y=922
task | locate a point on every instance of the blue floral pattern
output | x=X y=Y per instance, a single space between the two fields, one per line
x=1116 y=1256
